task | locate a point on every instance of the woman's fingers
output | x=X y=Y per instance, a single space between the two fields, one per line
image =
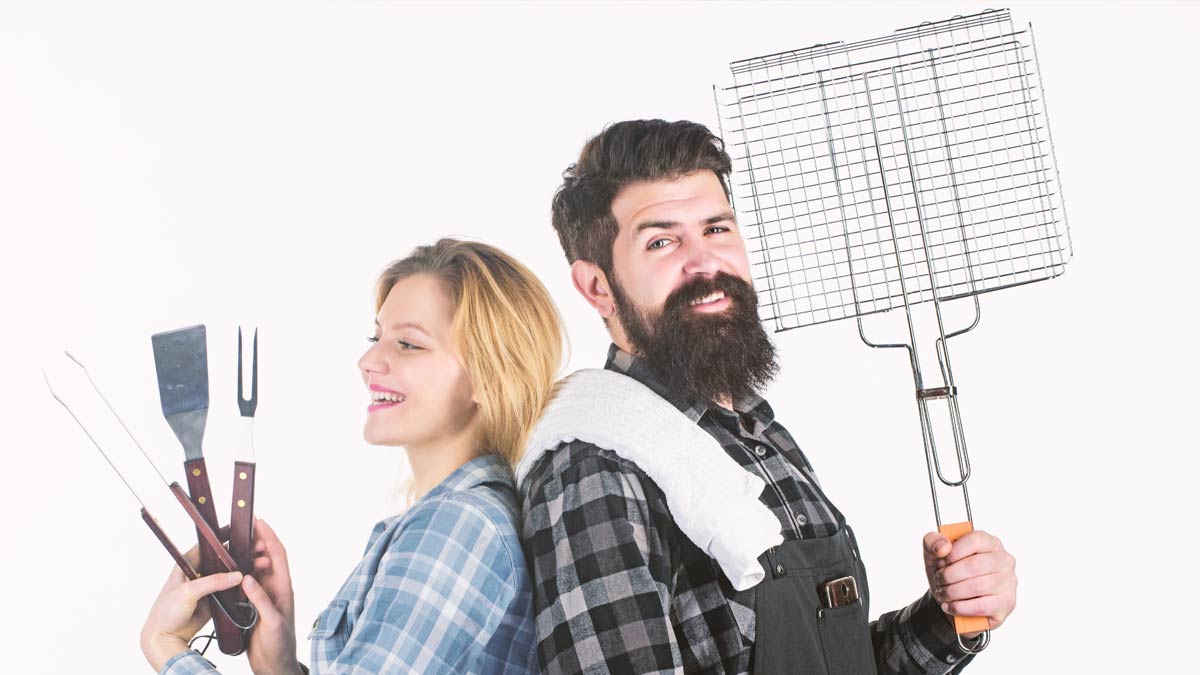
x=272 y=569
x=192 y=591
x=268 y=614
x=270 y=541
x=177 y=614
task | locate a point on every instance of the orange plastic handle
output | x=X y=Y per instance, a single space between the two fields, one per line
x=963 y=624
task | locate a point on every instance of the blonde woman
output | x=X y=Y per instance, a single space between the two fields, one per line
x=465 y=350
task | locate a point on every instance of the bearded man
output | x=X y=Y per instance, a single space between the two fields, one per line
x=672 y=524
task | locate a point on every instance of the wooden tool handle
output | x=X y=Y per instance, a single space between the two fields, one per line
x=188 y=571
x=963 y=624
x=241 y=517
x=214 y=558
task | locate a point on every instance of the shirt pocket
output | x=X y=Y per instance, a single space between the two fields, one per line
x=329 y=628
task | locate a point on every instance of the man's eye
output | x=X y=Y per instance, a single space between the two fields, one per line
x=655 y=244
x=718 y=229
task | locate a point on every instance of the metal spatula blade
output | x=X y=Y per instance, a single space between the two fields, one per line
x=181 y=359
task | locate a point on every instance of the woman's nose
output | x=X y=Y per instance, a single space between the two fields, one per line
x=372 y=362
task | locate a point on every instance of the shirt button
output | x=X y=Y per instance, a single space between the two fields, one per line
x=760 y=450
x=951 y=658
x=801 y=519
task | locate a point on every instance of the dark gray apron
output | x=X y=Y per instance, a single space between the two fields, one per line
x=795 y=633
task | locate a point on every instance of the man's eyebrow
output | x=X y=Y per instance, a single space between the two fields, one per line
x=660 y=224
x=668 y=224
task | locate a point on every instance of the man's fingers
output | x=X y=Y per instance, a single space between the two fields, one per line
x=936 y=545
x=975 y=566
x=993 y=607
x=971 y=543
x=193 y=591
x=988 y=584
x=262 y=564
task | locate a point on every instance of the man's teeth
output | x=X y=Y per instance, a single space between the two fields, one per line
x=386 y=396
x=711 y=297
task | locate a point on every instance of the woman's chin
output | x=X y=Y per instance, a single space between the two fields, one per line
x=380 y=438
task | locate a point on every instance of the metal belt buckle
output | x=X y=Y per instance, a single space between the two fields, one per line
x=839 y=592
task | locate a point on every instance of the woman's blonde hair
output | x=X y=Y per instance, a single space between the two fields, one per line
x=508 y=332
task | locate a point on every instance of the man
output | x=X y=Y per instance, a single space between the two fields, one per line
x=645 y=220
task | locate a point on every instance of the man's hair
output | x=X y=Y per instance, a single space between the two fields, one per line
x=625 y=153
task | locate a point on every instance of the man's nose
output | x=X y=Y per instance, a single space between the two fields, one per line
x=700 y=260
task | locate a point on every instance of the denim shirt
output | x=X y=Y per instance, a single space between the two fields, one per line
x=441 y=588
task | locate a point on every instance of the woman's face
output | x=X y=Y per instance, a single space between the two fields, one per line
x=419 y=390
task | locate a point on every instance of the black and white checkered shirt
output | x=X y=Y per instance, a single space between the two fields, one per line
x=619 y=589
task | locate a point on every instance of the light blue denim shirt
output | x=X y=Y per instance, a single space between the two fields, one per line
x=442 y=588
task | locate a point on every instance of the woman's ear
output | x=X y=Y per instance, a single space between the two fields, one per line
x=592 y=284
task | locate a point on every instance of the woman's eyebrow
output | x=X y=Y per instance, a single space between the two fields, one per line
x=405 y=324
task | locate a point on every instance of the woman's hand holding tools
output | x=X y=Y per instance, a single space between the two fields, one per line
x=179 y=613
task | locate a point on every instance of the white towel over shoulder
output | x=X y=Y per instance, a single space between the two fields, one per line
x=713 y=500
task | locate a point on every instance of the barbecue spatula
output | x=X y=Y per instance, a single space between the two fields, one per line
x=181 y=359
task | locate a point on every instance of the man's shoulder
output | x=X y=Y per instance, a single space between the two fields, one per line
x=577 y=462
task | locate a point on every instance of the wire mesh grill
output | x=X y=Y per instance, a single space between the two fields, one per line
x=909 y=165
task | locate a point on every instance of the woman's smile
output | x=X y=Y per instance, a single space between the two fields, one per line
x=382 y=397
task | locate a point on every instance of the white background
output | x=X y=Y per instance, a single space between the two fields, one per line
x=163 y=164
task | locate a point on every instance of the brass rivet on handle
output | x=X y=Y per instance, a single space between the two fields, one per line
x=195 y=472
x=242 y=475
x=241 y=503
x=202 y=500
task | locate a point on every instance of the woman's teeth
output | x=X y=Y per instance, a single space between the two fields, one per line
x=381 y=396
x=711 y=297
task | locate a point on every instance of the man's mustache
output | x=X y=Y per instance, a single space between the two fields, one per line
x=735 y=288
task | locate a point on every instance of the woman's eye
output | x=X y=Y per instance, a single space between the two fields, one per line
x=372 y=339
x=406 y=345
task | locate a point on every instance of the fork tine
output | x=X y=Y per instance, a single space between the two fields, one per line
x=241 y=398
x=248 y=405
x=254 y=373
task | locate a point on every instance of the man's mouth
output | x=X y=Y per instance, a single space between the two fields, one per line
x=712 y=302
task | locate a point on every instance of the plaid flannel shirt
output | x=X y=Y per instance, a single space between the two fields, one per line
x=618 y=588
x=442 y=588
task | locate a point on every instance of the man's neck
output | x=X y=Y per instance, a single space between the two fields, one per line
x=622 y=343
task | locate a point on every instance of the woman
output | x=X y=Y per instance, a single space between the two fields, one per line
x=466 y=347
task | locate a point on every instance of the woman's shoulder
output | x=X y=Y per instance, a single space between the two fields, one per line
x=473 y=526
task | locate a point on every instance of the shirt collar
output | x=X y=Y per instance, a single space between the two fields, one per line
x=483 y=469
x=625 y=363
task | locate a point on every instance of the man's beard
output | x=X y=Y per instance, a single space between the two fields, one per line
x=700 y=355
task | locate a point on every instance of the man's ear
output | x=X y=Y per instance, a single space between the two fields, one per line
x=592 y=284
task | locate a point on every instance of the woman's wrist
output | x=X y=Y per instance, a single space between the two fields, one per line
x=161 y=649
